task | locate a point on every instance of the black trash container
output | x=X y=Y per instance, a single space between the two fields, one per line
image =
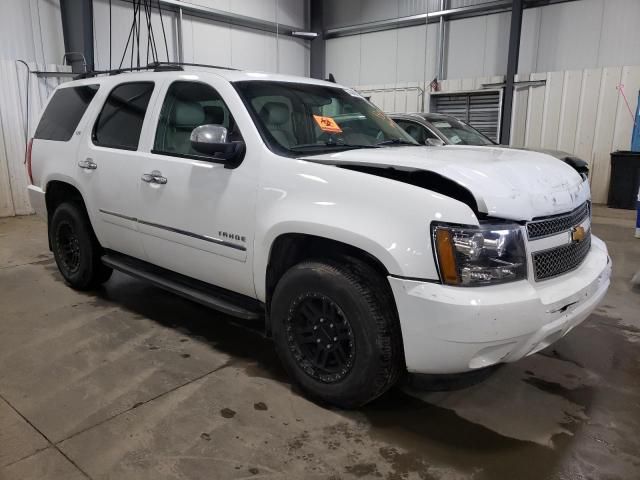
x=625 y=179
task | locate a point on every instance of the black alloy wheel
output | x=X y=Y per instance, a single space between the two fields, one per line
x=68 y=246
x=320 y=337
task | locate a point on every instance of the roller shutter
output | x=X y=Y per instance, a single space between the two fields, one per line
x=480 y=109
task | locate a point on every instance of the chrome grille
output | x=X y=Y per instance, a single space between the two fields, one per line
x=558 y=223
x=556 y=261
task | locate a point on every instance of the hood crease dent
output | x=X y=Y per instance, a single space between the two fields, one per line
x=494 y=182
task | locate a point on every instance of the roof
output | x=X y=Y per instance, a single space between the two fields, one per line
x=429 y=117
x=228 y=74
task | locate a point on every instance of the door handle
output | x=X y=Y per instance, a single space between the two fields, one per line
x=154 y=177
x=87 y=164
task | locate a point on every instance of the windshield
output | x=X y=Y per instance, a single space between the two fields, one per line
x=459 y=133
x=296 y=118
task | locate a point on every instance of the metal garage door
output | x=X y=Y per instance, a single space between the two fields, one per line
x=481 y=109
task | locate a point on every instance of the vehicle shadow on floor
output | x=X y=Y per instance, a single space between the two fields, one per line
x=422 y=432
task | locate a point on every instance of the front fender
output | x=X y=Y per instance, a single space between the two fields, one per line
x=386 y=218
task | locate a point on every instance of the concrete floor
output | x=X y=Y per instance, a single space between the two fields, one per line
x=131 y=382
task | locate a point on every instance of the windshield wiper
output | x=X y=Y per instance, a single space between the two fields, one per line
x=331 y=145
x=397 y=141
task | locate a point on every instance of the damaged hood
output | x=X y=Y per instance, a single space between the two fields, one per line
x=506 y=183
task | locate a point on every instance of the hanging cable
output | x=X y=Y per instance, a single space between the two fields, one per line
x=128 y=38
x=109 y=34
x=166 y=47
x=139 y=28
x=150 y=32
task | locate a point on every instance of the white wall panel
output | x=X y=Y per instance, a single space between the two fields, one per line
x=31 y=30
x=569 y=110
x=14 y=128
x=339 y=13
x=558 y=37
x=293 y=56
x=206 y=41
x=496 y=47
x=294 y=13
x=552 y=103
x=603 y=140
x=519 y=116
x=343 y=59
x=529 y=39
x=410 y=53
x=620 y=40
x=253 y=50
x=535 y=112
x=587 y=113
x=569 y=35
x=378 y=62
x=466 y=48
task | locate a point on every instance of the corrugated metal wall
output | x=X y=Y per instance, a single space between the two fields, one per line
x=14 y=128
x=578 y=111
x=565 y=36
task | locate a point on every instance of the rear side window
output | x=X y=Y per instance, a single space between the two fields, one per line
x=120 y=121
x=63 y=113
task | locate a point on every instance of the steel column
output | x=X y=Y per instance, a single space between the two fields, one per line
x=441 y=42
x=317 y=53
x=512 y=69
x=77 y=30
x=180 y=26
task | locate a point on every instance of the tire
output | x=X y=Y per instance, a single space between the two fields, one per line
x=75 y=248
x=367 y=356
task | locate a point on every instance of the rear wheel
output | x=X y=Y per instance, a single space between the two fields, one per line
x=336 y=331
x=75 y=248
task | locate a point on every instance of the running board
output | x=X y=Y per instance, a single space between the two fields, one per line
x=209 y=295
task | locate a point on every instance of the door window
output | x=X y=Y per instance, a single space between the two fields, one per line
x=187 y=106
x=120 y=121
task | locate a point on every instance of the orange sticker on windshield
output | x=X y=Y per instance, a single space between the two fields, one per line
x=327 y=124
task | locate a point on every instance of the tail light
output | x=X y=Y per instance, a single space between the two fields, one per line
x=27 y=160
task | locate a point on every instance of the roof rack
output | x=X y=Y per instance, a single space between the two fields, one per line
x=154 y=66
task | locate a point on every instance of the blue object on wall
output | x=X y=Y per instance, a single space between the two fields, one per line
x=635 y=137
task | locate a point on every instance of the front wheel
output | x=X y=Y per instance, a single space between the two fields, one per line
x=336 y=331
x=75 y=248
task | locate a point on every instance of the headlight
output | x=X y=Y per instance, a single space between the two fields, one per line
x=484 y=255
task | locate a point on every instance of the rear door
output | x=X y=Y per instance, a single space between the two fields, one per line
x=108 y=165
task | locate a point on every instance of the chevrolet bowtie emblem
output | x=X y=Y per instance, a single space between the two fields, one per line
x=578 y=234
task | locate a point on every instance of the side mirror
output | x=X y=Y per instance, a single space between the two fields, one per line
x=434 y=142
x=211 y=140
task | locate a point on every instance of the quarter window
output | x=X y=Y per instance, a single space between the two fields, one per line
x=63 y=113
x=120 y=121
x=187 y=106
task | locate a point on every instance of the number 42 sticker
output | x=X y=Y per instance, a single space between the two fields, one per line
x=327 y=124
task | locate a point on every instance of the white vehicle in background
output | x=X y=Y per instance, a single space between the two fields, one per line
x=366 y=254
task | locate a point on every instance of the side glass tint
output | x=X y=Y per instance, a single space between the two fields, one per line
x=186 y=106
x=64 y=112
x=120 y=121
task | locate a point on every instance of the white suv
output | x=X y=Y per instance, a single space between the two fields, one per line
x=298 y=202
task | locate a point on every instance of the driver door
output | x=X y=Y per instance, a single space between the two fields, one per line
x=197 y=216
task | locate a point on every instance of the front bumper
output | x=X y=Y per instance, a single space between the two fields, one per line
x=456 y=329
